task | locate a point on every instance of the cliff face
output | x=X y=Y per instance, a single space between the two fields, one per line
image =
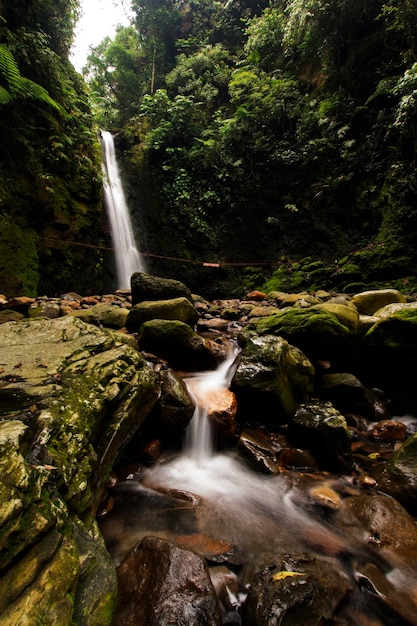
x=50 y=163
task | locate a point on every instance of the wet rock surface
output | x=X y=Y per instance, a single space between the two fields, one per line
x=161 y=584
x=79 y=398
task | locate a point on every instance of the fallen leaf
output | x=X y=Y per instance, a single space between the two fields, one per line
x=283 y=575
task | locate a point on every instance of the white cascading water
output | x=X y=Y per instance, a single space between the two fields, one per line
x=199 y=439
x=127 y=256
x=260 y=515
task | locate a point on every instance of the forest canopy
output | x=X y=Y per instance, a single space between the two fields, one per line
x=277 y=139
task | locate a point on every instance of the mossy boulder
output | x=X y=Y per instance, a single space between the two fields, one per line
x=347 y=314
x=174 y=309
x=388 y=358
x=316 y=332
x=368 y=302
x=272 y=379
x=102 y=314
x=148 y=287
x=70 y=396
x=179 y=344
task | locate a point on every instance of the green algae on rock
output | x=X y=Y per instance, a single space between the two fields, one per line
x=80 y=395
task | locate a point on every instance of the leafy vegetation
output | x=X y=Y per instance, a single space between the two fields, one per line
x=275 y=135
x=50 y=176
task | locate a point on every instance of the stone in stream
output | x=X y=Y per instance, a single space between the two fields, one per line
x=399 y=477
x=349 y=395
x=174 y=408
x=320 y=427
x=296 y=589
x=162 y=584
x=258 y=448
x=147 y=287
x=174 y=309
x=180 y=345
x=272 y=379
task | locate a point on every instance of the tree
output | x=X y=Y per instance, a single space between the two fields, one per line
x=158 y=26
x=116 y=75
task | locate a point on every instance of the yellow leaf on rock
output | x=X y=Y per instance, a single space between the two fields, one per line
x=283 y=575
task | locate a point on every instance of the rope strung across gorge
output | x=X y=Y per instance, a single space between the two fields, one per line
x=160 y=256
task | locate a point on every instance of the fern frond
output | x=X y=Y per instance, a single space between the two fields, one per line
x=33 y=91
x=9 y=69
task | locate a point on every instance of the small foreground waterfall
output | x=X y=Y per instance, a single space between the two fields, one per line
x=199 y=439
x=265 y=535
x=127 y=256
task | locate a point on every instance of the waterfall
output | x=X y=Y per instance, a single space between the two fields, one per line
x=128 y=259
x=199 y=442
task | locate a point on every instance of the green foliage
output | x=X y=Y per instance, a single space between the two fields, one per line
x=19 y=87
x=117 y=77
x=265 y=35
x=50 y=174
x=19 y=268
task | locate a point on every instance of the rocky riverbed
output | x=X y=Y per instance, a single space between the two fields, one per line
x=322 y=402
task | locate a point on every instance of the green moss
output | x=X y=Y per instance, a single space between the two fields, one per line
x=318 y=333
x=19 y=268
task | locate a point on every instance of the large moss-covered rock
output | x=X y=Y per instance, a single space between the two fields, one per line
x=70 y=395
x=272 y=378
x=347 y=313
x=318 y=333
x=388 y=358
x=368 y=302
x=179 y=344
x=103 y=314
x=174 y=309
x=148 y=287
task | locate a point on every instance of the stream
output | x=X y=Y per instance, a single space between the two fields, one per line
x=239 y=520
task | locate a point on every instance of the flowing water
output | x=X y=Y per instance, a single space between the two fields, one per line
x=201 y=493
x=127 y=257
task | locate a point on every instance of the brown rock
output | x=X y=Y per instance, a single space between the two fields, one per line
x=162 y=584
x=90 y=300
x=389 y=430
x=21 y=303
x=257 y=296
